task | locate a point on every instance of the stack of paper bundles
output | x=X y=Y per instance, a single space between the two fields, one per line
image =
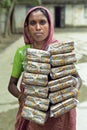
x=62 y=68
x=35 y=80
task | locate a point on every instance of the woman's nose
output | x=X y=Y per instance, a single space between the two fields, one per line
x=38 y=27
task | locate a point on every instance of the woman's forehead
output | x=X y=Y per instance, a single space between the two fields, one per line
x=37 y=14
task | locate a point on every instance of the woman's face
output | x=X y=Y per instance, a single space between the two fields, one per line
x=38 y=26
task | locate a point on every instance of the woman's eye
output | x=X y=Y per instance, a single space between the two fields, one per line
x=32 y=23
x=42 y=22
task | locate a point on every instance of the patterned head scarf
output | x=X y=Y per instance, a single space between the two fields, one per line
x=28 y=39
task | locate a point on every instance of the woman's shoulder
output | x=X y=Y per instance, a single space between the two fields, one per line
x=21 y=52
x=23 y=47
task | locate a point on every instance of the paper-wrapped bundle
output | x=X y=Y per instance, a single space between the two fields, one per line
x=61 y=108
x=62 y=95
x=62 y=71
x=61 y=83
x=60 y=80
x=63 y=59
x=37 y=91
x=34 y=115
x=58 y=48
x=35 y=79
x=37 y=103
x=38 y=55
x=59 y=98
x=39 y=68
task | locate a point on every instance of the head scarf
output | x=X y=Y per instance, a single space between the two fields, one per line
x=28 y=39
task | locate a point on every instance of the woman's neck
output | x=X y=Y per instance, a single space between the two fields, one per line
x=38 y=45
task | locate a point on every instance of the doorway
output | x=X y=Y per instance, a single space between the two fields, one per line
x=59 y=16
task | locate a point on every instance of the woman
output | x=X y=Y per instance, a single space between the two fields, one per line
x=38 y=33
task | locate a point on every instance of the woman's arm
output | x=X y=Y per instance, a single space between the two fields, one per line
x=12 y=88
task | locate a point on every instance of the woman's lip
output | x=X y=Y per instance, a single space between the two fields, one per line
x=38 y=33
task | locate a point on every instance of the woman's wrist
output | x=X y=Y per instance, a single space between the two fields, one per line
x=19 y=96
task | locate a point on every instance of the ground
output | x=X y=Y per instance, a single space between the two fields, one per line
x=7 y=120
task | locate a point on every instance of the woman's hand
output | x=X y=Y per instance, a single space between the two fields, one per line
x=21 y=99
